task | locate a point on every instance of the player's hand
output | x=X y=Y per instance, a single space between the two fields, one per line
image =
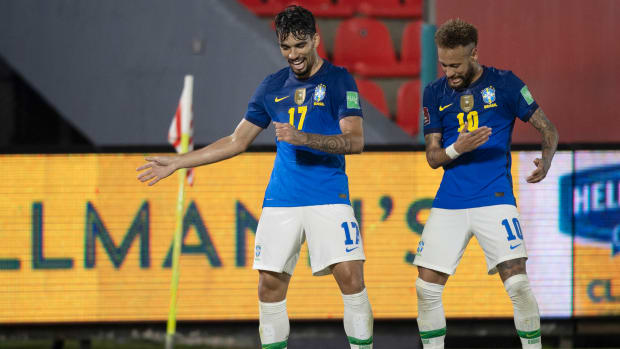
x=157 y=168
x=542 y=167
x=468 y=141
x=287 y=133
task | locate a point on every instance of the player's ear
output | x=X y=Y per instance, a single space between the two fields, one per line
x=474 y=54
x=316 y=39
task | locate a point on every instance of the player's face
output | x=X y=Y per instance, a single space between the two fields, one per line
x=458 y=64
x=301 y=54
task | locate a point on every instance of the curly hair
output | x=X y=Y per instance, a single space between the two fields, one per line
x=295 y=20
x=456 y=32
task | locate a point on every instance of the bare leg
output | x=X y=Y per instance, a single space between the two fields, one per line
x=432 y=276
x=272 y=286
x=349 y=276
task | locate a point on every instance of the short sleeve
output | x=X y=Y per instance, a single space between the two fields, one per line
x=256 y=112
x=346 y=96
x=432 y=123
x=521 y=102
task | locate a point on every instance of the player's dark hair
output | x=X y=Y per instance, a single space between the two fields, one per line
x=456 y=32
x=295 y=20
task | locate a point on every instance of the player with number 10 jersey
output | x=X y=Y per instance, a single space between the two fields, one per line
x=480 y=177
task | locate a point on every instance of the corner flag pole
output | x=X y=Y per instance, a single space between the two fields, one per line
x=186 y=110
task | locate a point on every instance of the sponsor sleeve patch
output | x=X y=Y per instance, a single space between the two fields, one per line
x=527 y=95
x=427 y=117
x=353 y=100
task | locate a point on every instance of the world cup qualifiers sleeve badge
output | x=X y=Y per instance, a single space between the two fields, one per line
x=467 y=103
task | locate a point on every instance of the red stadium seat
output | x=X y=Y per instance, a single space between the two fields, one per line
x=410 y=51
x=387 y=8
x=263 y=7
x=364 y=47
x=408 y=107
x=323 y=8
x=373 y=94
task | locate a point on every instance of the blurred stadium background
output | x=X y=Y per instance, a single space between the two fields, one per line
x=88 y=87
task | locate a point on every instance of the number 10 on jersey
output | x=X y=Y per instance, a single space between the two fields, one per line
x=302 y=110
x=472 y=120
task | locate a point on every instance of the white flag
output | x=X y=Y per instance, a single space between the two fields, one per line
x=183 y=123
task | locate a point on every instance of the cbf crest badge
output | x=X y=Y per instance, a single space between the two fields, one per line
x=300 y=96
x=319 y=93
x=488 y=95
x=467 y=103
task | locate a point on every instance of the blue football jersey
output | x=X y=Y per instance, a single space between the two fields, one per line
x=303 y=176
x=480 y=177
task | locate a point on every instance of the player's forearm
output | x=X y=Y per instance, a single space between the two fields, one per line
x=437 y=157
x=336 y=144
x=222 y=149
x=549 y=134
x=550 y=139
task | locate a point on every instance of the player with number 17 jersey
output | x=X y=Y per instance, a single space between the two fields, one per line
x=303 y=176
x=480 y=177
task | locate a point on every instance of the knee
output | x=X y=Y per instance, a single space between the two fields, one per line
x=520 y=292
x=517 y=285
x=272 y=287
x=350 y=278
x=429 y=294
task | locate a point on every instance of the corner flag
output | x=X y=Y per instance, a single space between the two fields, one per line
x=180 y=136
x=183 y=124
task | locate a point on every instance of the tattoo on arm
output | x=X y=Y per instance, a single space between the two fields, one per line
x=337 y=144
x=549 y=134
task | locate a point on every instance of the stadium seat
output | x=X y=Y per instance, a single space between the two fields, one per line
x=364 y=47
x=386 y=8
x=323 y=8
x=373 y=94
x=408 y=107
x=263 y=7
x=410 y=50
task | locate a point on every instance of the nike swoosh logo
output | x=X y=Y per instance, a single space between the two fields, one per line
x=351 y=249
x=515 y=246
x=442 y=108
x=279 y=99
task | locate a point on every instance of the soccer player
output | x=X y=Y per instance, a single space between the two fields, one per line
x=469 y=115
x=316 y=112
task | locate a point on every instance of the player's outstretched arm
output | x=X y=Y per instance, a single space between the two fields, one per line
x=438 y=156
x=550 y=138
x=160 y=167
x=351 y=141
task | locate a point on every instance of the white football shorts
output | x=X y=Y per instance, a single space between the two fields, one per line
x=332 y=232
x=447 y=233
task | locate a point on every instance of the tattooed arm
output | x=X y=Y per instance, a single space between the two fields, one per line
x=549 y=145
x=435 y=153
x=351 y=141
x=466 y=142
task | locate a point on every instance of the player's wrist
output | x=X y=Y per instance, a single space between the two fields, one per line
x=452 y=152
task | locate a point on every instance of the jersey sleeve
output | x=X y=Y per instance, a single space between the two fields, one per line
x=256 y=112
x=432 y=123
x=521 y=102
x=347 y=97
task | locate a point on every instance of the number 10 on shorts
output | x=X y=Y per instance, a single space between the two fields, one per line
x=349 y=244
